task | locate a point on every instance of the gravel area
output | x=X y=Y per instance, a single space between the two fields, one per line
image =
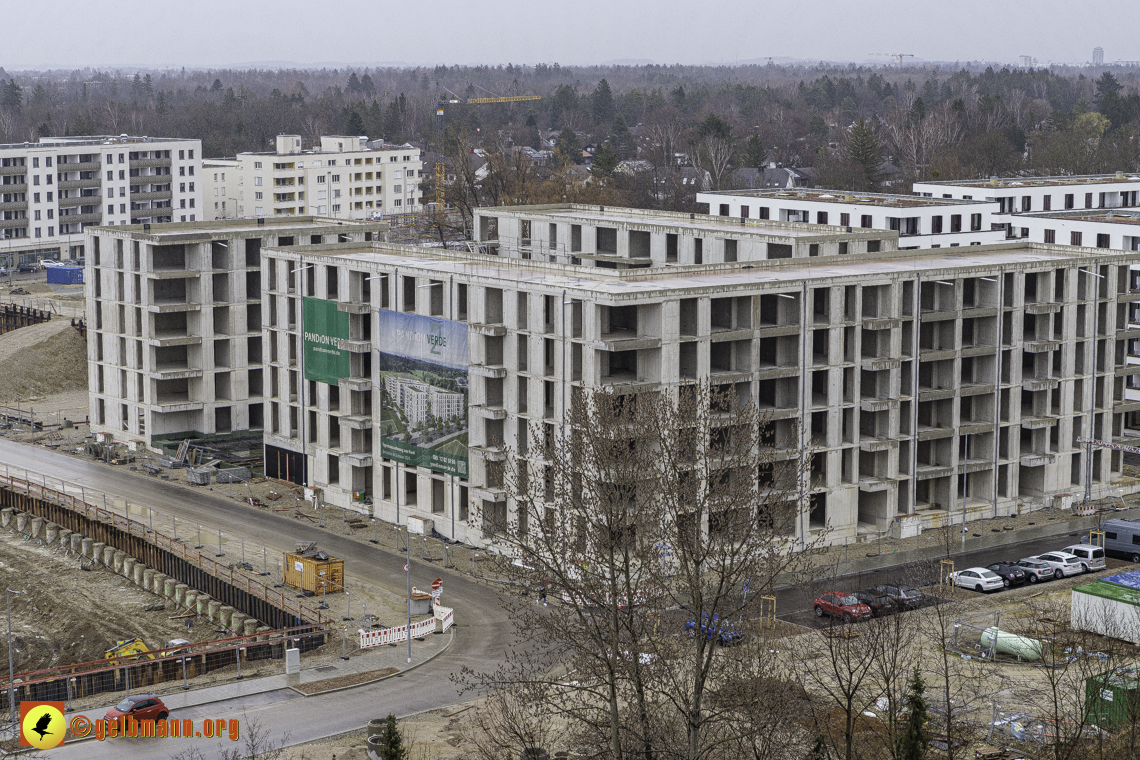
x=352 y=679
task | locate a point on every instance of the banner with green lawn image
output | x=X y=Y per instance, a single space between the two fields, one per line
x=423 y=391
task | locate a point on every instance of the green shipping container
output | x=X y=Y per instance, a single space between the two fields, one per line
x=1112 y=699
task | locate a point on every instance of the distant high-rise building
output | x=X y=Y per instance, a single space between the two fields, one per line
x=1098 y=56
x=1026 y=61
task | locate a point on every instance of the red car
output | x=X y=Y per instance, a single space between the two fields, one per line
x=841 y=604
x=139 y=707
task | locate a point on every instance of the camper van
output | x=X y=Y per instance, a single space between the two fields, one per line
x=1122 y=539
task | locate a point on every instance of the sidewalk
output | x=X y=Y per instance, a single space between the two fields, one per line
x=330 y=669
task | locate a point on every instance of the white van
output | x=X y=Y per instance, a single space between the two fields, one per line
x=1091 y=557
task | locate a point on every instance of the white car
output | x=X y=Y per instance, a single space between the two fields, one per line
x=978 y=579
x=1063 y=563
x=1092 y=557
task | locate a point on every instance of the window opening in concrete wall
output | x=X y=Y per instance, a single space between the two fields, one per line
x=698 y=250
x=730 y=250
x=779 y=251
x=670 y=246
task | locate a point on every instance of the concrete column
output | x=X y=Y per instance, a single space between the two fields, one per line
x=129 y=565
x=51 y=533
x=249 y=627
x=213 y=610
x=117 y=559
x=22 y=523
x=108 y=556
x=147 y=578
x=6 y=515
x=189 y=601
x=202 y=605
x=97 y=548
x=237 y=622
x=137 y=573
x=76 y=540
x=65 y=538
x=180 y=593
x=158 y=584
x=168 y=586
x=225 y=615
x=86 y=546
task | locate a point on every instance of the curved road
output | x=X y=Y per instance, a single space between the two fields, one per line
x=484 y=628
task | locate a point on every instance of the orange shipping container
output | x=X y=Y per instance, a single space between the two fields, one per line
x=319 y=576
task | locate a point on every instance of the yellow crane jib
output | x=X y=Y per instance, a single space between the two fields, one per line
x=506 y=99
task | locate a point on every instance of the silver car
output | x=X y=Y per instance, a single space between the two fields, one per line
x=1092 y=557
x=1063 y=563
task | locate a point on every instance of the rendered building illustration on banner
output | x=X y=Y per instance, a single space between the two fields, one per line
x=324 y=326
x=423 y=391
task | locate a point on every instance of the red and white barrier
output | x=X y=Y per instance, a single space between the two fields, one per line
x=396 y=634
x=445 y=616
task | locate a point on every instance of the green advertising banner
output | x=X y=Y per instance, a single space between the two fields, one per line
x=324 y=327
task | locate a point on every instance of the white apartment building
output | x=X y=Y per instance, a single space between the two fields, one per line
x=174 y=318
x=922 y=383
x=220 y=183
x=1022 y=195
x=52 y=190
x=343 y=178
x=919 y=222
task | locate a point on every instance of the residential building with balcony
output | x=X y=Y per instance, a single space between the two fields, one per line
x=175 y=328
x=343 y=178
x=919 y=222
x=52 y=190
x=1015 y=196
x=915 y=385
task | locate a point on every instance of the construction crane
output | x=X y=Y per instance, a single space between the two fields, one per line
x=900 y=56
x=771 y=58
x=439 y=114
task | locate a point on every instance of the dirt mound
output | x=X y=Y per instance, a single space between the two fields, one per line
x=42 y=360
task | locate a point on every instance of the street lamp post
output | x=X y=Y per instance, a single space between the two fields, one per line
x=11 y=663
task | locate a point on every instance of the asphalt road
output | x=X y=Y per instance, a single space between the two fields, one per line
x=484 y=628
x=794 y=605
x=483 y=635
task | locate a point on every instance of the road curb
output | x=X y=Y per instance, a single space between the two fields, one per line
x=450 y=641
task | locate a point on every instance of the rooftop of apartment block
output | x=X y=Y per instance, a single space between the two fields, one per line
x=697 y=223
x=92 y=140
x=1113 y=216
x=176 y=232
x=293 y=145
x=1009 y=182
x=967 y=261
x=886 y=200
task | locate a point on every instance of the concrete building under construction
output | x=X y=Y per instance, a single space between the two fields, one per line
x=917 y=382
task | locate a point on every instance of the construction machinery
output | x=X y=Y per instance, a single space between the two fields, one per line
x=439 y=119
x=129 y=649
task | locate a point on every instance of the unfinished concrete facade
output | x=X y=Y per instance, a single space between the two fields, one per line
x=621 y=238
x=920 y=381
x=175 y=322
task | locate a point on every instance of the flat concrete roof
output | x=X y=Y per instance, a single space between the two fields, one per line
x=1110 y=216
x=887 y=200
x=226 y=227
x=708 y=223
x=710 y=277
x=1012 y=182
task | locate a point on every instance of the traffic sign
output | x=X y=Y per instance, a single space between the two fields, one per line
x=405 y=567
x=437 y=583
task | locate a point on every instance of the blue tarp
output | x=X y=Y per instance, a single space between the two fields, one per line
x=65 y=275
x=1130 y=580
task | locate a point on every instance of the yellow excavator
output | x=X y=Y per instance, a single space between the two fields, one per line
x=129 y=649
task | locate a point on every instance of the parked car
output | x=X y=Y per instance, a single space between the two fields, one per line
x=4 y=271
x=24 y=268
x=726 y=633
x=1092 y=557
x=139 y=707
x=841 y=604
x=1063 y=563
x=1010 y=573
x=1035 y=571
x=904 y=597
x=978 y=579
x=880 y=603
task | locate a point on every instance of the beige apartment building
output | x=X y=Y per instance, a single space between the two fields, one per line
x=342 y=178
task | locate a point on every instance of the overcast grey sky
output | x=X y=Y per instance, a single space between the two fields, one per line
x=217 y=33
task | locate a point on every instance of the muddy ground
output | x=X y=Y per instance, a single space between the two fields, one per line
x=66 y=615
